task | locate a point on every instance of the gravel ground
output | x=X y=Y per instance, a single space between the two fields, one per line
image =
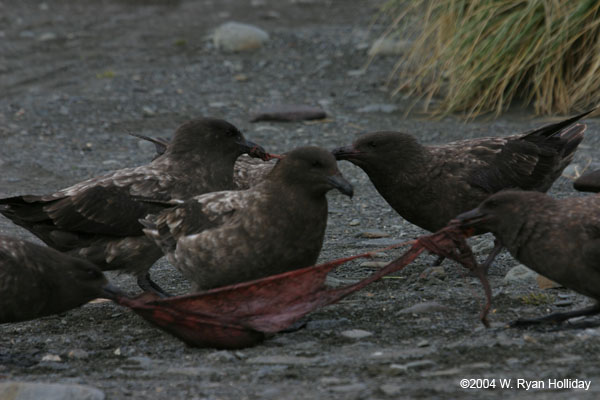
x=77 y=76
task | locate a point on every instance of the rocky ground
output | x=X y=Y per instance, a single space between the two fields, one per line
x=77 y=76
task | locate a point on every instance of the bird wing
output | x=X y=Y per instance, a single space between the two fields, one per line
x=193 y=216
x=109 y=205
x=493 y=164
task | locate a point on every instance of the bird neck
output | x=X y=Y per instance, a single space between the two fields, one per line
x=206 y=173
x=405 y=170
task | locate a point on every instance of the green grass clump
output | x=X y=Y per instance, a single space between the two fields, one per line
x=537 y=299
x=479 y=55
x=108 y=74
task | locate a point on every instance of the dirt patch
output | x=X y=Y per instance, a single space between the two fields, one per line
x=76 y=76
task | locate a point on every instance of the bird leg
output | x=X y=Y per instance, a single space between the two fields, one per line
x=492 y=256
x=148 y=285
x=556 y=318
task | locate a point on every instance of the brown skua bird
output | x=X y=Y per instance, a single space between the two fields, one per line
x=36 y=281
x=247 y=170
x=228 y=237
x=98 y=219
x=430 y=185
x=558 y=238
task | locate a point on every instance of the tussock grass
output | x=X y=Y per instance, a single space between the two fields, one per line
x=480 y=55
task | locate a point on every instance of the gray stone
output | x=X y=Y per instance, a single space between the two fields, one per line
x=356 y=334
x=423 y=308
x=381 y=242
x=47 y=36
x=14 y=390
x=389 y=389
x=484 y=246
x=374 y=264
x=521 y=274
x=389 y=45
x=234 y=36
x=51 y=358
x=354 y=222
x=381 y=108
x=563 y=303
x=148 y=111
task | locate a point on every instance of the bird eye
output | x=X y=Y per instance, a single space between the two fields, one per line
x=317 y=164
x=372 y=144
x=232 y=133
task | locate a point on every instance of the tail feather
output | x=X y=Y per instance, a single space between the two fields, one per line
x=571 y=138
x=552 y=129
x=159 y=143
x=23 y=209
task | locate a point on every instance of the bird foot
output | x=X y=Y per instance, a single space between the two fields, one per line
x=148 y=285
x=555 y=318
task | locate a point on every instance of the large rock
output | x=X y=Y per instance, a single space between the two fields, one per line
x=48 y=391
x=234 y=36
x=521 y=274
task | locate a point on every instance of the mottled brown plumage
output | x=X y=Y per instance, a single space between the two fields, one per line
x=37 y=280
x=233 y=236
x=589 y=182
x=429 y=185
x=98 y=219
x=247 y=170
x=558 y=238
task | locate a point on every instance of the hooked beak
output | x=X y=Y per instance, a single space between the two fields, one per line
x=345 y=153
x=112 y=292
x=341 y=184
x=254 y=150
x=472 y=218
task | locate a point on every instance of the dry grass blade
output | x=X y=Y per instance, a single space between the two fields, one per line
x=480 y=55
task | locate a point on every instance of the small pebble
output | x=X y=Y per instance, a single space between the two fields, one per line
x=356 y=334
x=378 y=108
x=374 y=264
x=234 y=36
x=52 y=357
x=373 y=234
x=390 y=389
